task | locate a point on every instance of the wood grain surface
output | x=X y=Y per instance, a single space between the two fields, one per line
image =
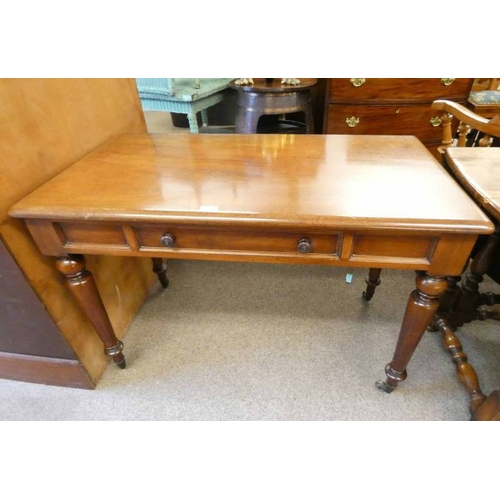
x=478 y=169
x=46 y=125
x=335 y=181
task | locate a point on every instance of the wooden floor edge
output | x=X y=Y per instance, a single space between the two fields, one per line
x=43 y=370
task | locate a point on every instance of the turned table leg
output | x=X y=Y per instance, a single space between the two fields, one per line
x=246 y=121
x=82 y=285
x=421 y=307
x=309 y=120
x=160 y=268
x=372 y=282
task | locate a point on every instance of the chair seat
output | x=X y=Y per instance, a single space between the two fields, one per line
x=485 y=102
x=478 y=173
x=485 y=97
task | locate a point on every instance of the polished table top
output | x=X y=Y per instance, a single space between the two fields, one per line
x=312 y=180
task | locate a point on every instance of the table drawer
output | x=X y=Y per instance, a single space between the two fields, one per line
x=90 y=233
x=390 y=89
x=247 y=241
x=385 y=120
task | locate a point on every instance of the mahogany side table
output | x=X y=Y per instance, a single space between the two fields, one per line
x=271 y=98
x=361 y=201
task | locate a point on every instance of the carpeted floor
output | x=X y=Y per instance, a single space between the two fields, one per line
x=238 y=341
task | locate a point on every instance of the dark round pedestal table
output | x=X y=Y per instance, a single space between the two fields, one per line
x=267 y=97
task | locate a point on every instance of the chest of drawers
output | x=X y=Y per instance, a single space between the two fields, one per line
x=393 y=106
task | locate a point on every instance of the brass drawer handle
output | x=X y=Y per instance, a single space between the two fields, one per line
x=304 y=245
x=168 y=240
x=435 y=121
x=357 y=82
x=352 y=122
x=447 y=81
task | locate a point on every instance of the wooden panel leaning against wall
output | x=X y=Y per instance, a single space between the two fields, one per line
x=46 y=125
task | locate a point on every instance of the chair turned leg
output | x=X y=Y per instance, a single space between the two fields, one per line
x=193 y=123
x=160 y=268
x=465 y=370
x=372 y=282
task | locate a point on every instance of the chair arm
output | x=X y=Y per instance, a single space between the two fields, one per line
x=468 y=117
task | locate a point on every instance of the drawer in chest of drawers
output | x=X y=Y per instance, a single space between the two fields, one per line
x=417 y=119
x=394 y=89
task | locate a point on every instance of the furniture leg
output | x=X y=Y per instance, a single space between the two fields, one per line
x=451 y=294
x=490 y=298
x=193 y=123
x=309 y=121
x=372 y=282
x=484 y=314
x=160 y=268
x=421 y=307
x=246 y=122
x=465 y=370
x=460 y=305
x=204 y=117
x=481 y=262
x=82 y=285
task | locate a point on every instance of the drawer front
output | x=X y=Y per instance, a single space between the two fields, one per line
x=385 y=120
x=393 y=246
x=271 y=242
x=390 y=89
x=91 y=233
x=271 y=245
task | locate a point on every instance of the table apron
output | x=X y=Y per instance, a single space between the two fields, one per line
x=438 y=253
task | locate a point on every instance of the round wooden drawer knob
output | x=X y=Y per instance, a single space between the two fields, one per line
x=304 y=245
x=168 y=240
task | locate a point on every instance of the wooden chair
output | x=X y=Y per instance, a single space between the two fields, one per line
x=472 y=130
x=484 y=98
x=481 y=84
x=475 y=170
x=468 y=156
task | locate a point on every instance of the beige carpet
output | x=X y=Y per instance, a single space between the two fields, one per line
x=239 y=341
